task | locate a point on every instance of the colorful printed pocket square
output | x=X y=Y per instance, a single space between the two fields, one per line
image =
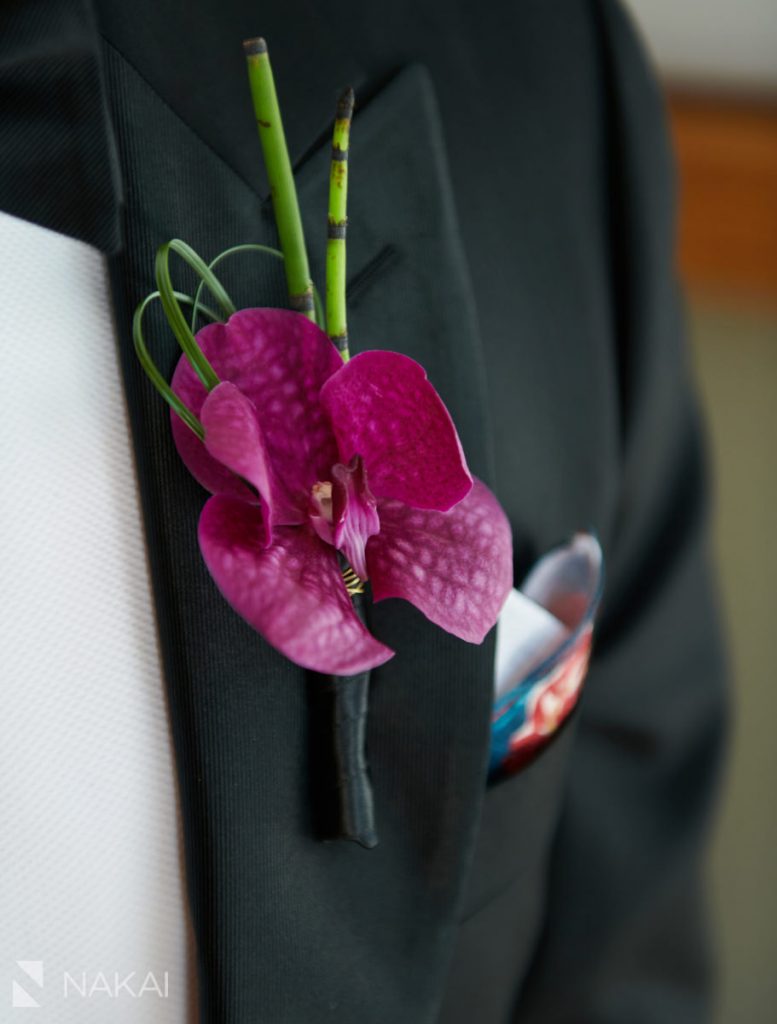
x=542 y=649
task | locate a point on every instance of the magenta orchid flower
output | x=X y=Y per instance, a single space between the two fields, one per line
x=306 y=457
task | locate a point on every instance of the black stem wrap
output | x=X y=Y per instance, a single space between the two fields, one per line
x=357 y=813
x=357 y=816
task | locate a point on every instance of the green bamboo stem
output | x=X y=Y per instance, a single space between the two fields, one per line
x=337 y=223
x=280 y=177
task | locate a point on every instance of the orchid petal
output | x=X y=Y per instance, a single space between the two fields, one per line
x=384 y=408
x=291 y=592
x=354 y=514
x=233 y=437
x=279 y=360
x=455 y=567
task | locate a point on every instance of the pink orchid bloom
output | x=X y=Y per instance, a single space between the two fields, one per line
x=306 y=457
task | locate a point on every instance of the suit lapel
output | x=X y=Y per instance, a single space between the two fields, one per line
x=369 y=932
x=193 y=60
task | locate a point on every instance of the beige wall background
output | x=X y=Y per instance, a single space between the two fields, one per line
x=724 y=41
x=719 y=63
x=736 y=357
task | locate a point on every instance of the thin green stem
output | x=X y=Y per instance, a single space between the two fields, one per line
x=337 y=223
x=211 y=314
x=250 y=247
x=151 y=369
x=280 y=176
x=173 y=311
x=197 y=306
x=319 y=309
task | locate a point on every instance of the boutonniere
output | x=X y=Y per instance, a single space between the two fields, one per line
x=334 y=481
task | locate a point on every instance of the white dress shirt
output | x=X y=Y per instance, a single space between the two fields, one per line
x=90 y=848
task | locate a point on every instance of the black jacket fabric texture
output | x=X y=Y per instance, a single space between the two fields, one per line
x=511 y=218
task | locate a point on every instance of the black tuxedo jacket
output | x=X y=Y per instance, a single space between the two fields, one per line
x=511 y=228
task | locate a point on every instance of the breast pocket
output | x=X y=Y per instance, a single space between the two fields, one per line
x=503 y=909
x=517 y=821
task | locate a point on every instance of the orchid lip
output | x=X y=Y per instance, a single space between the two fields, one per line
x=344 y=514
x=321 y=495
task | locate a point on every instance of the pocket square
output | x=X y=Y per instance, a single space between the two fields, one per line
x=543 y=645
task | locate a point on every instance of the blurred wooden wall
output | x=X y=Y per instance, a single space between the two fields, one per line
x=727 y=162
